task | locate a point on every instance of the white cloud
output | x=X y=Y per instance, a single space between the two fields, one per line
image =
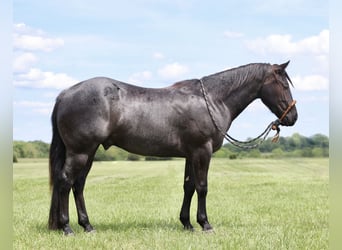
x=140 y=77
x=233 y=34
x=44 y=108
x=172 y=71
x=33 y=43
x=310 y=83
x=36 y=78
x=284 y=44
x=24 y=61
x=33 y=104
x=22 y=28
x=29 y=39
x=158 y=55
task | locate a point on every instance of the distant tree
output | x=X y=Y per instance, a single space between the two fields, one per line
x=112 y=154
x=26 y=150
x=298 y=141
x=222 y=153
x=307 y=152
x=155 y=158
x=295 y=153
x=319 y=152
x=233 y=156
x=320 y=140
x=277 y=152
x=42 y=148
x=18 y=149
x=133 y=157
x=102 y=155
x=254 y=153
x=267 y=146
x=33 y=149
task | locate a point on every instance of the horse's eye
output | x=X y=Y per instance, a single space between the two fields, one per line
x=285 y=85
x=279 y=72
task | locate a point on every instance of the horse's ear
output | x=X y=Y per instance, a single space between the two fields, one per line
x=284 y=65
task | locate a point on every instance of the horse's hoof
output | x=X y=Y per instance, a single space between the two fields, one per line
x=93 y=231
x=67 y=231
x=89 y=229
x=208 y=229
x=189 y=228
x=69 y=234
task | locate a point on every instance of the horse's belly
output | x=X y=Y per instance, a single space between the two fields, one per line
x=151 y=146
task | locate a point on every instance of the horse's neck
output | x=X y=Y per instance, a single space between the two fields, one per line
x=235 y=94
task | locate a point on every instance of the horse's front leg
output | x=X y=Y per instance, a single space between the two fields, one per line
x=201 y=162
x=189 y=189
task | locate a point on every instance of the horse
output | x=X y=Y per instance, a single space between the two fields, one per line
x=173 y=121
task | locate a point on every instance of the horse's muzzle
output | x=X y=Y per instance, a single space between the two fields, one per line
x=289 y=120
x=290 y=115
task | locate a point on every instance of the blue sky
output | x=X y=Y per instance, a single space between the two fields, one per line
x=156 y=43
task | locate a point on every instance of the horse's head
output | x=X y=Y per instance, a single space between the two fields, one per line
x=276 y=94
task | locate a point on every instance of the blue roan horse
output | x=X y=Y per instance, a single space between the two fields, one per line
x=172 y=121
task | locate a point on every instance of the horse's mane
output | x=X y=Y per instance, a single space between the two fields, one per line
x=238 y=76
x=243 y=73
x=234 y=77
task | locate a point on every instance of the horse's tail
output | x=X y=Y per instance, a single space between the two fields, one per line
x=57 y=149
x=56 y=162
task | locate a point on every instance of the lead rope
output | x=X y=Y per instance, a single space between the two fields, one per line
x=256 y=141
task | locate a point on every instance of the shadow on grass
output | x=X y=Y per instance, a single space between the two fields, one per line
x=125 y=226
x=122 y=226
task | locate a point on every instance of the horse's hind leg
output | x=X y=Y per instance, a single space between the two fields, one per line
x=73 y=166
x=189 y=189
x=77 y=189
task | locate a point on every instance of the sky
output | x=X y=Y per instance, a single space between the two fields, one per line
x=154 y=44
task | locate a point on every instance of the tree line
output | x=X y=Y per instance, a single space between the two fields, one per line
x=292 y=146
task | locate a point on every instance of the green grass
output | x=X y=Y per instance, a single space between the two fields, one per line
x=252 y=204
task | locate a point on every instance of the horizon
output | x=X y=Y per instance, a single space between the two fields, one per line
x=224 y=142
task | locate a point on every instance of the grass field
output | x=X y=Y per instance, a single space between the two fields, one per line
x=252 y=204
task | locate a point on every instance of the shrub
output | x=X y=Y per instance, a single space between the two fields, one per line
x=233 y=156
x=155 y=158
x=133 y=157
